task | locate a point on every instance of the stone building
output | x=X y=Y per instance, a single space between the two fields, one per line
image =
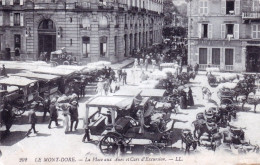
x=91 y=30
x=224 y=34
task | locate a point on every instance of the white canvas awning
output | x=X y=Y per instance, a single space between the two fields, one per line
x=17 y=81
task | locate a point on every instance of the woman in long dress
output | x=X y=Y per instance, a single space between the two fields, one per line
x=183 y=100
x=190 y=98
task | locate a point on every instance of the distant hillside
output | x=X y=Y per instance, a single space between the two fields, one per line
x=181 y=6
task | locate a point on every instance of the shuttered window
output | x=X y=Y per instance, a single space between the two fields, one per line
x=255 y=31
x=203 y=56
x=85 y=46
x=203 y=7
x=229 y=56
x=216 y=56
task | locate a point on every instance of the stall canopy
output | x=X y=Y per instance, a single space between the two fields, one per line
x=17 y=81
x=38 y=76
x=72 y=67
x=227 y=85
x=143 y=92
x=111 y=102
x=54 y=71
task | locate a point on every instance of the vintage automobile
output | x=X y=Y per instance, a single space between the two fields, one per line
x=64 y=84
x=61 y=57
x=48 y=84
x=127 y=118
x=21 y=92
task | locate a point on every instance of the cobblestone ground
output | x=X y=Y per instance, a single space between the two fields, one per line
x=54 y=143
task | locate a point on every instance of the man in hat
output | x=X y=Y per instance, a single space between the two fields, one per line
x=74 y=115
x=7 y=116
x=119 y=73
x=3 y=72
x=46 y=107
x=85 y=126
x=53 y=113
x=32 y=119
x=124 y=76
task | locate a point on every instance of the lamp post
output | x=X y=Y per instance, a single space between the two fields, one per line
x=189 y=32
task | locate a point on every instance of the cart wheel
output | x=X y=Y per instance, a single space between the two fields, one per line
x=18 y=111
x=226 y=101
x=151 y=149
x=66 y=63
x=109 y=143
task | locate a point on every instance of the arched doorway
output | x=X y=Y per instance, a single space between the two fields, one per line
x=46 y=39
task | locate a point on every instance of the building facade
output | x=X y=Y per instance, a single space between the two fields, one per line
x=224 y=34
x=91 y=30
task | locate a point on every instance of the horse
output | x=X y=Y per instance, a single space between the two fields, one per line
x=201 y=127
x=207 y=92
x=187 y=138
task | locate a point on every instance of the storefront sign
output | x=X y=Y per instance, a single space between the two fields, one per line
x=253 y=42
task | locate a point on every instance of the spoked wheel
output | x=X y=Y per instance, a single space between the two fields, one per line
x=226 y=101
x=18 y=111
x=151 y=150
x=110 y=143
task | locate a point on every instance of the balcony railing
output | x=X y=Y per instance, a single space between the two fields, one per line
x=121 y=6
x=215 y=66
x=251 y=15
x=203 y=66
x=228 y=67
x=106 y=5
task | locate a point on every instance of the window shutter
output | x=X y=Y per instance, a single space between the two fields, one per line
x=11 y=19
x=3 y=2
x=1 y=19
x=210 y=31
x=104 y=47
x=223 y=31
x=21 y=19
x=88 y=48
x=21 y=2
x=253 y=30
x=237 y=7
x=11 y=2
x=209 y=56
x=206 y=10
x=199 y=30
x=236 y=29
x=223 y=7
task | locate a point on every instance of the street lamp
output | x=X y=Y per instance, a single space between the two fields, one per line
x=59 y=32
x=28 y=32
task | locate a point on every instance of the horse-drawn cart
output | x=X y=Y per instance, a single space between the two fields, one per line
x=227 y=93
x=128 y=118
x=212 y=80
x=21 y=92
x=48 y=84
x=64 y=83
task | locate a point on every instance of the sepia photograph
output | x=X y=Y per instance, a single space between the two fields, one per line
x=151 y=82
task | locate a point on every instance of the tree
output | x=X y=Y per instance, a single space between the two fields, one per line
x=169 y=9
